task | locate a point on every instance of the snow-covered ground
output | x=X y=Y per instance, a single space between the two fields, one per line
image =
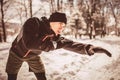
x=65 y=65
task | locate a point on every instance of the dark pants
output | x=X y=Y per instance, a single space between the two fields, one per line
x=14 y=63
x=39 y=76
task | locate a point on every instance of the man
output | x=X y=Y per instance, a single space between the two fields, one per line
x=39 y=35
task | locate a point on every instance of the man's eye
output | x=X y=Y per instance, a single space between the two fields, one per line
x=63 y=24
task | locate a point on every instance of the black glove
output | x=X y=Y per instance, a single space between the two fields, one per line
x=93 y=49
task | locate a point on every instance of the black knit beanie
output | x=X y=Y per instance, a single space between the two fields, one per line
x=58 y=17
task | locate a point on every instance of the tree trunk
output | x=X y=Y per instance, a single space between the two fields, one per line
x=2 y=21
x=61 y=6
x=30 y=8
x=51 y=6
x=58 y=5
x=26 y=13
x=112 y=8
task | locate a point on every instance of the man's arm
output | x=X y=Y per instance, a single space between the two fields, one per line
x=80 y=47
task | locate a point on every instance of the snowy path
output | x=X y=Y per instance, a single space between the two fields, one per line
x=66 y=65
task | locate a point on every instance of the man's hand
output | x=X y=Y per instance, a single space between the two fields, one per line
x=93 y=50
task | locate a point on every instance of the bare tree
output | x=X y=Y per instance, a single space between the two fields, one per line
x=58 y=5
x=25 y=7
x=30 y=5
x=24 y=10
x=5 y=6
x=21 y=10
x=2 y=20
x=51 y=4
x=114 y=15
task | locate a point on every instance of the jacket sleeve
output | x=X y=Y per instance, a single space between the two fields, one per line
x=74 y=46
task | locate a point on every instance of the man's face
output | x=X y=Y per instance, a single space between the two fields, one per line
x=57 y=27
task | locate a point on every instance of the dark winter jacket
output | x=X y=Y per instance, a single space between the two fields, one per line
x=36 y=36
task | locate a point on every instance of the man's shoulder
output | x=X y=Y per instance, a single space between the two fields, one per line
x=32 y=18
x=42 y=19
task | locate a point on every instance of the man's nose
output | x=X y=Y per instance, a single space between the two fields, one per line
x=61 y=27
